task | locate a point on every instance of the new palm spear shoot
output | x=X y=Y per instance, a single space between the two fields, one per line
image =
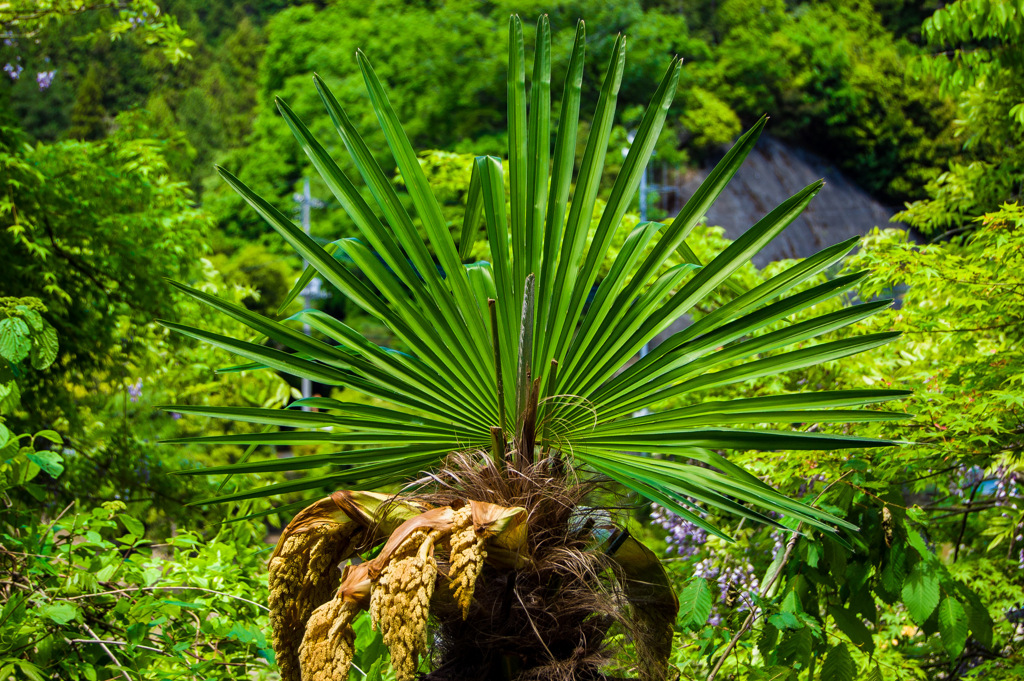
x=523 y=357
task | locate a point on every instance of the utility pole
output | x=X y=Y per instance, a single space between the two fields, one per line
x=630 y=136
x=312 y=291
x=643 y=196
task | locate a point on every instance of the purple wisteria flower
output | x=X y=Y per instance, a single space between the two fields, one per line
x=735 y=576
x=44 y=78
x=13 y=70
x=135 y=390
x=684 y=537
x=736 y=580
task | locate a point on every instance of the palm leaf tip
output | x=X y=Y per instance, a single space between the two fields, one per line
x=558 y=335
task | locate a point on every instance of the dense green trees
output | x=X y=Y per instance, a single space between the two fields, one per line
x=90 y=230
x=979 y=64
x=941 y=518
x=837 y=80
x=833 y=75
x=92 y=227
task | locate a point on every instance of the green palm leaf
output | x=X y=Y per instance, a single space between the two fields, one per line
x=539 y=317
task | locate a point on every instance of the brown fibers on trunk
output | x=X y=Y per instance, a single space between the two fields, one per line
x=547 y=620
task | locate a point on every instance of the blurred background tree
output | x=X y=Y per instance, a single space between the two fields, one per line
x=979 y=63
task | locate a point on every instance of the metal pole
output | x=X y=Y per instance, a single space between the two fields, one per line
x=307 y=385
x=643 y=218
x=643 y=196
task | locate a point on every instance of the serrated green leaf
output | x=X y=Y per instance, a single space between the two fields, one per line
x=10 y=394
x=777 y=673
x=795 y=647
x=14 y=341
x=921 y=592
x=953 y=624
x=695 y=604
x=32 y=317
x=44 y=347
x=914 y=539
x=851 y=625
x=977 y=615
x=767 y=640
x=791 y=603
x=838 y=665
x=894 y=573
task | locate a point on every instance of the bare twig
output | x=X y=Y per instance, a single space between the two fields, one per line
x=103 y=644
x=26 y=587
x=55 y=521
x=169 y=588
x=963 y=525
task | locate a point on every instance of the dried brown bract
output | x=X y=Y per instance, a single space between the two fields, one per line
x=537 y=578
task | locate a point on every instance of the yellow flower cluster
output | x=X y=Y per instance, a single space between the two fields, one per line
x=467 y=558
x=400 y=601
x=329 y=644
x=312 y=616
x=302 y=576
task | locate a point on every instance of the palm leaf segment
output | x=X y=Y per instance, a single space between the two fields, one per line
x=527 y=351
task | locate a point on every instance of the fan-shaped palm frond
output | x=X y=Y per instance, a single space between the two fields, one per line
x=529 y=354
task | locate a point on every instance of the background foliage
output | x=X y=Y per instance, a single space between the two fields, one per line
x=111 y=116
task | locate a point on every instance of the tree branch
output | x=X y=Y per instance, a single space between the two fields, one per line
x=168 y=588
x=103 y=644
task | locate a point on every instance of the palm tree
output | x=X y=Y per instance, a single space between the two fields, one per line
x=509 y=401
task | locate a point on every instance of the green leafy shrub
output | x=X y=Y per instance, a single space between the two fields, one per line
x=89 y=597
x=26 y=339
